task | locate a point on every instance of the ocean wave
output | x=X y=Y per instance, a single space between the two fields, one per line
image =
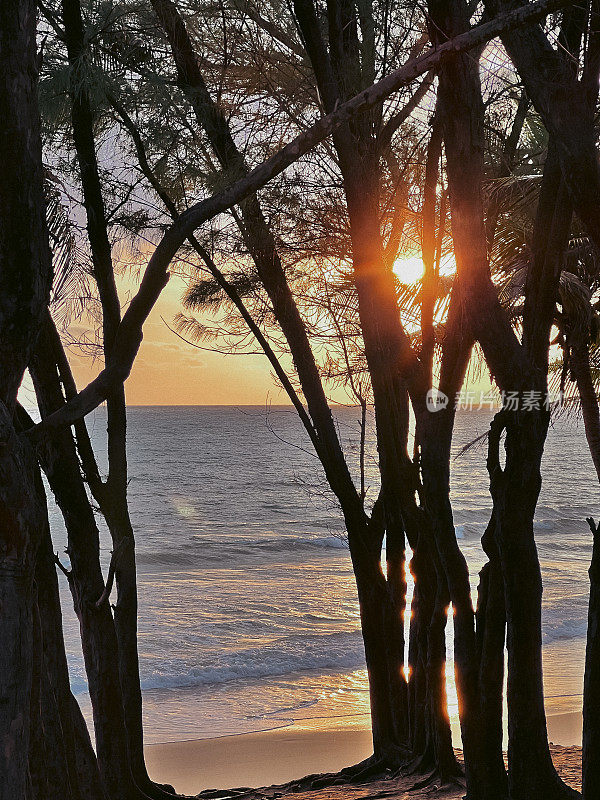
x=555 y=628
x=204 y=549
x=314 y=653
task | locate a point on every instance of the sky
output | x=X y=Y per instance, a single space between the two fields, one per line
x=169 y=371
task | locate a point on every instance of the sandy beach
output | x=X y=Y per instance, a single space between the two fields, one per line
x=277 y=756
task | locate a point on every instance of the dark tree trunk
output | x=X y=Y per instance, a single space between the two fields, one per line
x=112 y=498
x=591 y=684
x=25 y=274
x=491 y=628
x=42 y=765
x=379 y=627
x=515 y=490
x=430 y=733
x=435 y=447
x=21 y=524
x=393 y=366
x=446 y=765
x=421 y=610
x=396 y=588
x=112 y=495
x=62 y=762
x=87 y=586
x=434 y=433
x=63 y=759
x=386 y=685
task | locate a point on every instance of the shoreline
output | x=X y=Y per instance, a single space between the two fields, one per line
x=290 y=752
x=262 y=758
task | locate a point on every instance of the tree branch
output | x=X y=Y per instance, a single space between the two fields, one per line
x=129 y=333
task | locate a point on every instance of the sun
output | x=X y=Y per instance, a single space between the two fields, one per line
x=409 y=269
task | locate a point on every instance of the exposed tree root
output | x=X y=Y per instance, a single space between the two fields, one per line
x=435 y=781
x=371 y=767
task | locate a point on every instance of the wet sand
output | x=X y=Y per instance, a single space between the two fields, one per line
x=275 y=757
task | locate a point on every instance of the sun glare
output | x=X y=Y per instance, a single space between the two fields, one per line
x=409 y=269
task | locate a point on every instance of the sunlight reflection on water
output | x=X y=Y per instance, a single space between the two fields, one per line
x=248 y=612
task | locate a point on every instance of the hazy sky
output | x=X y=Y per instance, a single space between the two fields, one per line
x=168 y=371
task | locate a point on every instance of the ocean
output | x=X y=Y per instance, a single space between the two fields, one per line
x=248 y=614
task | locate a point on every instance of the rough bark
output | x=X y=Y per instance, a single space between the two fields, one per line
x=421 y=610
x=435 y=437
x=429 y=726
x=491 y=635
x=25 y=273
x=25 y=264
x=515 y=493
x=515 y=490
x=379 y=625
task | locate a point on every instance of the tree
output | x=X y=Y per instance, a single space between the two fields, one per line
x=27 y=240
x=517 y=367
x=25 y=273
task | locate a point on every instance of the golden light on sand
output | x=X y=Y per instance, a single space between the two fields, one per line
x=409 y=269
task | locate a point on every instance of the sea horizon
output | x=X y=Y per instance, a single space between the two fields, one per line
x=248 y=615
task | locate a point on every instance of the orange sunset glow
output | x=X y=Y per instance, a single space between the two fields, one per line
x=299 y=400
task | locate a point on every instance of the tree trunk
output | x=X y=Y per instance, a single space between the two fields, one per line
x=388 y=694
x=112 y=496
x=25 y=274
x=591 y=683
x=491 y=627
x=393 y=366
x=64 y=758
x=383 y=641
x=430 y=733
x=446 y=766
x=421 y=610
x=97 y=628
x=515 y=490
x=435 y=438
x=396 y=588
x=43 y=766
